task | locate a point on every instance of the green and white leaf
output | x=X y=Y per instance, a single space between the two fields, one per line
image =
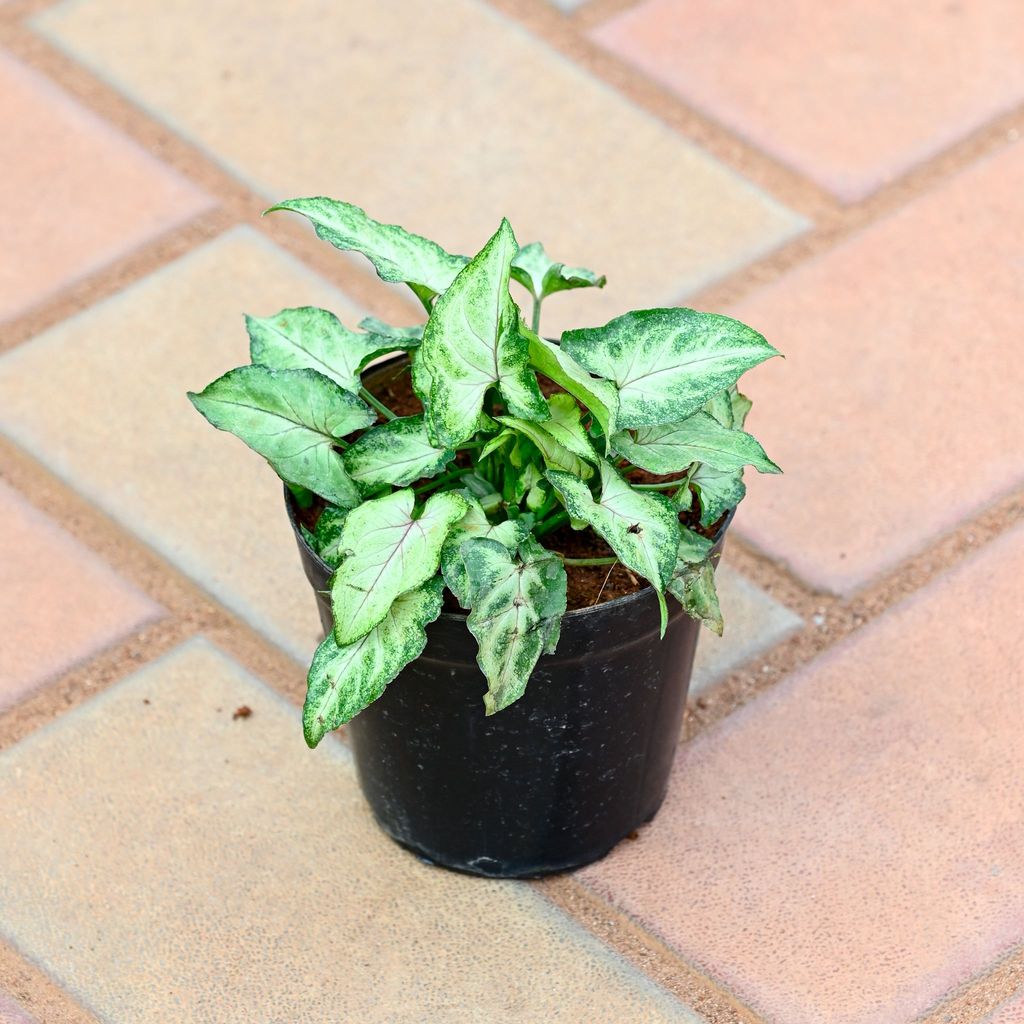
x=541 y=276
x=672 y=447
x=718 y=490
x=476 y=524
x=294 y=419
x=693 y=586
x=517 y=606
x=554 y=453
x=396 y=254
x=395 y=454
x=719 y=407
x=641 y=527
x=599 y=396
x=740 y=407
x=316 y=338
x=471 y=343
x=388 y=551
x=410 y=337
x=666 y=363
x=326 y=537
x=344 y=679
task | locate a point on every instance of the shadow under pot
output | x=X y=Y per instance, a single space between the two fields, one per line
x=554 y=781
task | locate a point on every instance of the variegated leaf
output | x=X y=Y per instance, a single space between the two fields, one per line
x=409 y=336
x=316 y=338
x=395 y=453
x=666 y=363
x=294 y=419
x=554 y=453
x=718 y=490
x=693 y=586
x=475 y=524
x=599 y=396
x=517 y=606
x=541 y=276
x=397 y=254
x=344 y=679
x=388 y=551
x=672 y=447
x=641 y=527
x=326 y=537
x=471 y=343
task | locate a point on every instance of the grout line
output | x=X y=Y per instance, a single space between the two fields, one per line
x=596 y=12
x=38 y=993
x=974 y=1000
x=645 y=952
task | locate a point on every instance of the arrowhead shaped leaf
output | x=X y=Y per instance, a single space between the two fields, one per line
x=397 y=254
x=666 y=363
x=554 y=453
x=409 y=336
x=475 y=524
x=718 y=490
x=395 y=453
x=642 y=528
x=693 y=586
x=294 y=419
x=388 y=552
x=517 y=606
x=316 y=338
x=471 y=343
x=344 y=679
x=541 y=276
x=672 y=447
x=599 y=396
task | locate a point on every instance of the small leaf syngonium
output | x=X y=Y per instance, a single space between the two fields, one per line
x=344 y=679
x=666 y=363
x=517 y=601
x=541 y=276
x=471 y=344
x=672 y=447
x=394 y=454
x=294 y=419
x=388 y=550
x=396 y=254
x=642 y=528
x=718 y=491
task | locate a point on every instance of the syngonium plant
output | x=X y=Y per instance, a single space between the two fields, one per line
x=463 y=494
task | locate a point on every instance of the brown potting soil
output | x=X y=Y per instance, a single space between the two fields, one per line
x=587 y=585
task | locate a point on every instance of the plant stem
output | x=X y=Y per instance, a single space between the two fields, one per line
x=378 y=405
x=535 y=319
x=553 y=522
x=664 y=485
x=453 y=475
x=610 y=560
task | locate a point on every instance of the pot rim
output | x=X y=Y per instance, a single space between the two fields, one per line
x=617 y=602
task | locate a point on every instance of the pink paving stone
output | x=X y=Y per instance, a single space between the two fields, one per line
x=1010 y=1013
x=852 y=94
x=10 y=1011
x=897 y=412
x=59 y=604
x=850 y=846
x=104 y=195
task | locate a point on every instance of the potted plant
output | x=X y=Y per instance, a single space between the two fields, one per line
x=494 y=524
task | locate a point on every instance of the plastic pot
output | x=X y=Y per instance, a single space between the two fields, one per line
x=552 y=782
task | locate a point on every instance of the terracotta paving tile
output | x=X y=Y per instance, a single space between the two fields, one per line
x=851 y=94
x=850 y=846
x=103 y=195
x=10 y=1011
x=1011 y=1013
x=511 y=128
x=59 y=603
x=141 y=452
x=248 y=882
x=754 y=622
x=894 y=341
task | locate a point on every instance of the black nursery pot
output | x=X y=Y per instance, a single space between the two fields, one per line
x=552 y=782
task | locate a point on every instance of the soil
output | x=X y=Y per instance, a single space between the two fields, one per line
x=587 y=585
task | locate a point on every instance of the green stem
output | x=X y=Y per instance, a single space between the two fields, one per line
x=379 y=406
x=453 y=475
x=535 y=319
x=664 y=485
x=553 y=522
x=610 y=560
